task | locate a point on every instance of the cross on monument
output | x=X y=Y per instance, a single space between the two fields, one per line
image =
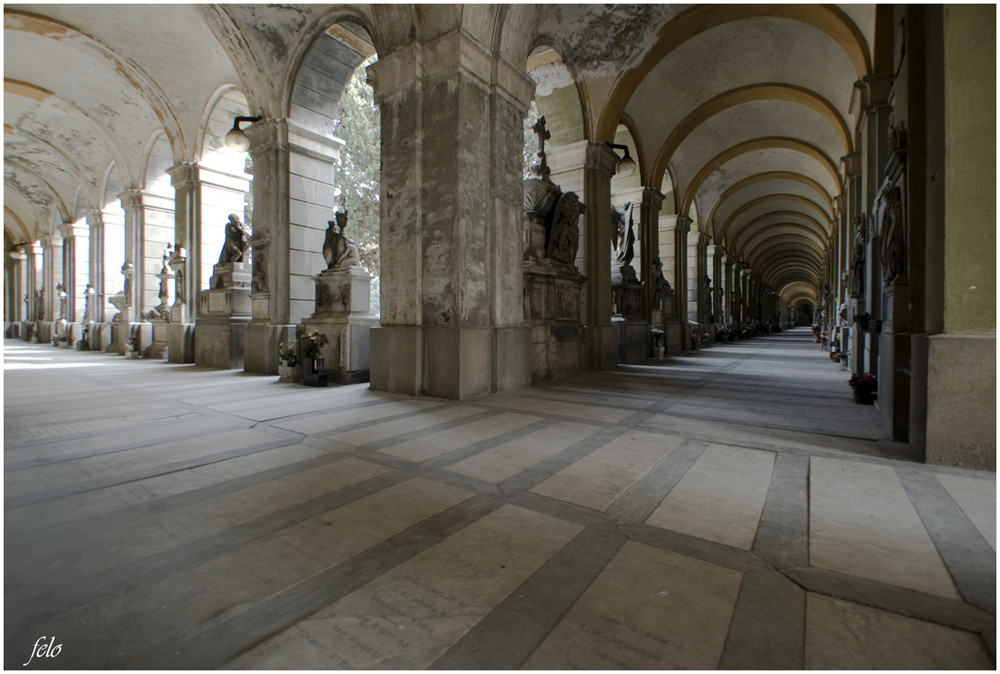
x=541 y=168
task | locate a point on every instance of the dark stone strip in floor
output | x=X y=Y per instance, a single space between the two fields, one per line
x=58 y=534
x=919 y=605
x=969 y=558
x=506 y=637
x=430 y=430
x=485 y=444
x=767 y=630
x=783 y=532
x=220 y=643
x=273 y=423
x=57 y=597
x=699 y=548
x=645 y=494
x=117 y=440
x=543 y=470
x=125 y=477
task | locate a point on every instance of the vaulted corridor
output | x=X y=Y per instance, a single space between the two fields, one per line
x=727 y=508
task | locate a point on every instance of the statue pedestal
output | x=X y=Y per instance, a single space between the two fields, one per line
x=631 y=327
x=223 y=315
x=554 y=292
x=158 y=349
x=180 y=336
x=343 y=303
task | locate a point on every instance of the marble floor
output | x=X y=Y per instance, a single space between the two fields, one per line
x=728 y=508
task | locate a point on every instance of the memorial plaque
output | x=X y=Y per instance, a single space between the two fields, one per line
x=720 y=498
x=409 y=616
x=599 y=478
x=649 y=609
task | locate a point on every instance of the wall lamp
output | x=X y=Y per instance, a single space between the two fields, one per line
x=626 y=165
x=236 y=139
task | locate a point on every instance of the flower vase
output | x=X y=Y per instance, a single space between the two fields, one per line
x=317 y=365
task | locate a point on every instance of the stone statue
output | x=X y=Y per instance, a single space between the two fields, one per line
x=857 y=263
x=623 y=234
x=237 y=241
x=127 y=270
x=177 y=263
x=63 y=300
x=661 y=286
x=87 y=305
x=564 y=234
x=40 y=305
x=339 y=252
x=893 y=254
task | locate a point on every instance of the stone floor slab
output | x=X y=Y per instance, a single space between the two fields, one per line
x=430 y=446
x=720 y=498
x=410 y=616
x=599 y=478
x=843 y=635
x=649 y=609
x=863 y=524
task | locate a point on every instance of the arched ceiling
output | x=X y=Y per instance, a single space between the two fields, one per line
x=748 y=109
x=88 y=86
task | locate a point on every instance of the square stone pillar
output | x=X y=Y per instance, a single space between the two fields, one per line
x=602 y=337
x=451 y=239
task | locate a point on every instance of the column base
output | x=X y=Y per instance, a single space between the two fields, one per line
x=347 y=358
x=221 y=342
x=602 y=346
x=448 y=362
x=261 y=346
x=180 y=343
x=960 y=400
x=632 y=335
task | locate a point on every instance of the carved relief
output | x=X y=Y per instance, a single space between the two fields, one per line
x=893 y=253
x=857 y=263
x=324 y=300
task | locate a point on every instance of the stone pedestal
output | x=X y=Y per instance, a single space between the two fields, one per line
x=343 y=301
x=631 y=328
x=223 y=315
x=554 y=296
x=158 y=348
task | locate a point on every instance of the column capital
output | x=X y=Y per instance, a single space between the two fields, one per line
x=720 y=251
x=602 y=158
x=852 y=164
x=180 y=174
x=684 y=223
x=131 y=199
x=652 y=198
x=266 y=135
x=703 y=238
x=51 y=240
x=874 y=90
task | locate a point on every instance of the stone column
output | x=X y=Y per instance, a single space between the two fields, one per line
x=187 y=237
x=135 y=219
x=271 y=322
x=95 y=225
x=13 y=304
x=702 y=275
x=602 y=343
x=452 y=321
x=681 y=230
x=649 y=232
x=719 y=282
x=76 y=251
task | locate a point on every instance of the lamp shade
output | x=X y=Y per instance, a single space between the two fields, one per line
x=626 y=167
x=237 y=140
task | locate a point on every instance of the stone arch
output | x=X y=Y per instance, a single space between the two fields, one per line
x=749 y=146
x=748 y=93
x=691 y=22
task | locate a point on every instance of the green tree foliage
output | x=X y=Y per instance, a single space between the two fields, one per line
x=359 y=171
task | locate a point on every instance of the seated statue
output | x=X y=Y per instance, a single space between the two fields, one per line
x=339 y=252
x=237 y=241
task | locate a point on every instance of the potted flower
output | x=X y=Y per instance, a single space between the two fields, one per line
x=66 y=342
x=312 y=348
x=130 y=350
x=288 y=362
x=865 y=387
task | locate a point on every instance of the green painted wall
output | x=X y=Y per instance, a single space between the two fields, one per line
x=970 y=168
